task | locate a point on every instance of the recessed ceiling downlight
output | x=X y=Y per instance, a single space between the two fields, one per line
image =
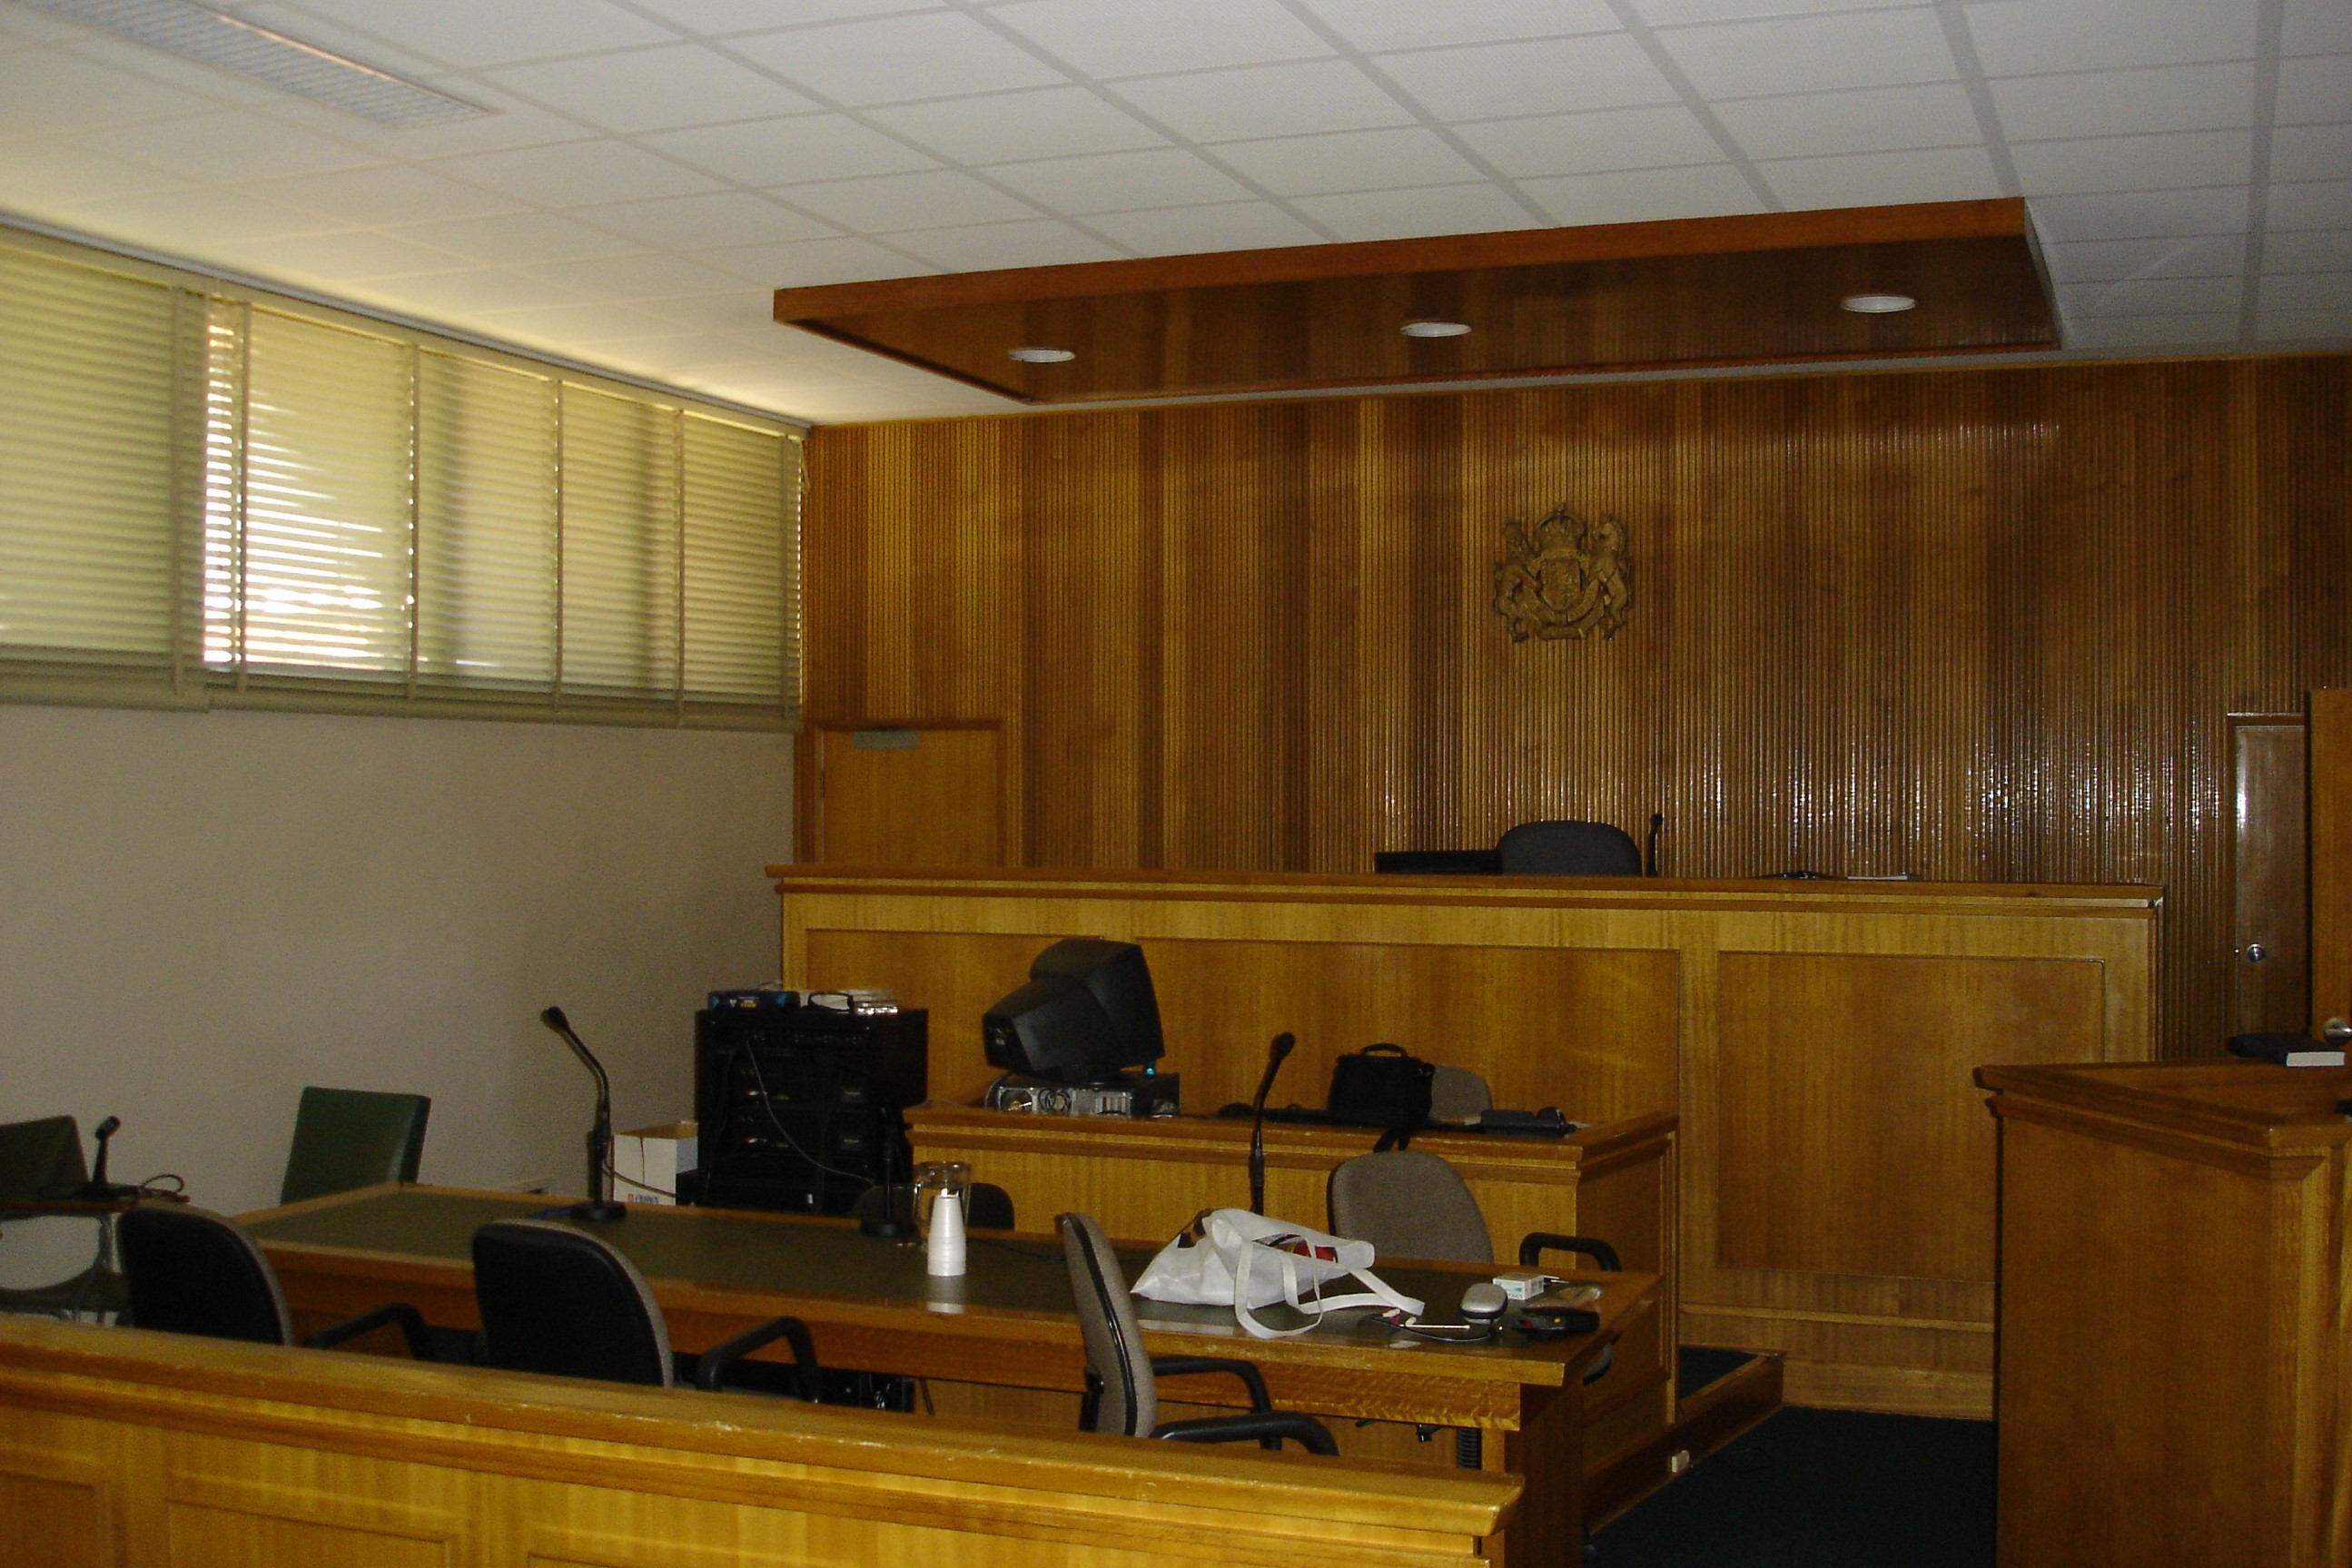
x=1036 y=356
x=1436 y=329
x=1877 y=304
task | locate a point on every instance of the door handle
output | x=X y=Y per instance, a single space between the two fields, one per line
x=2256 y=953
x=2335 y=1031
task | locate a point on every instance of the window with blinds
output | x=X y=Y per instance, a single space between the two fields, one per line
x=211 y=496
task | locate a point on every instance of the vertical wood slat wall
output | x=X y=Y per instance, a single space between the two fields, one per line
x=1975 y=624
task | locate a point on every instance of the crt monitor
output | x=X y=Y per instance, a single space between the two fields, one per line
x=1088 y=1013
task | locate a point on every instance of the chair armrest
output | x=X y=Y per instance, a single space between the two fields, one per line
x=1267 y=1428
x=1185 y=1366
x=1533 y=1246
x=712 y=1366
x=411 y=1321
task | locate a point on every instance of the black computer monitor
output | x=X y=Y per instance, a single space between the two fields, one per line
x=1087 y=1014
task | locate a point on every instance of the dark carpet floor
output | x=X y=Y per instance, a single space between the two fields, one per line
x=1823 y=1489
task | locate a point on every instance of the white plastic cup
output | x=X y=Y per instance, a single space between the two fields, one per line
x=943 y=1250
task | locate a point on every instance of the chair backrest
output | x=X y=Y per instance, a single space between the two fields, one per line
x=1569 y=849
x=346 y=1138
x=987 y=1207
x=1456 y=1094
x=1407 y=1204
x=193 y=1271
x=557 y=1300
x=1128 y=1401
x=41 y=1159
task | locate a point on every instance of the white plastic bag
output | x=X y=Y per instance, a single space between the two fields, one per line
x=1232 y=1257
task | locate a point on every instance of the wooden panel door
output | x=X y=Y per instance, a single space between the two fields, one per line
x=930 y=796
x=2331 y=857
x=2270 y=877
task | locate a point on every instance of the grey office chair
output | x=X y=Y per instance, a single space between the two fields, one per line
x=1569 y=849
x=193 y=1271
x=556 y=1300
x=1458 y=1097
x=347 y=1139
x=1123 y=1382
x=41 y=1164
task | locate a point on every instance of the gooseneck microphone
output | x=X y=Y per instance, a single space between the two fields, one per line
x=1281 y=1048
x=97 y=1189
x=598 y=1205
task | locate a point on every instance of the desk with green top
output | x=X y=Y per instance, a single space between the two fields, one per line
x=1008 y=1320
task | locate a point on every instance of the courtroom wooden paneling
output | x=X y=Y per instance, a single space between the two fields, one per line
x=2175 y=1387
x=1814 y=1039
x=131 y=1448
x=1981 y=625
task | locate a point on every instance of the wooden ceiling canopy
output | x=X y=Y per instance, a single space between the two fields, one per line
x=1617 y=297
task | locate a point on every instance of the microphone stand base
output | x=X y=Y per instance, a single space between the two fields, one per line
x=598 y=1213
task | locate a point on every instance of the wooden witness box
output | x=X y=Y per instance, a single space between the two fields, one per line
x=1831 y=1176
x=2176 y=1385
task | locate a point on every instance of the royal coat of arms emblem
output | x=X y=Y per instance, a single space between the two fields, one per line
x=1563 y=577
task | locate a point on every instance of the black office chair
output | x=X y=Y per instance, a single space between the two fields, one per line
x=1568 y=848
x=1123 y=1382
x=41 y=1162
x=347 y=1139
x=195 y=1272
x=989 y=1207
x=555 y=1299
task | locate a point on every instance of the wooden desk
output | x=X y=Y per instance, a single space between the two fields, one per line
x=1615 y=1181
x=869 y=1304
x=1814 y=1039
x=2175 y=1293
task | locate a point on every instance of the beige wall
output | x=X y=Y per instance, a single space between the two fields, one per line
x=202 y=912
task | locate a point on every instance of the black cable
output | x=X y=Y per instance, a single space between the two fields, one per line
x=768 y=1104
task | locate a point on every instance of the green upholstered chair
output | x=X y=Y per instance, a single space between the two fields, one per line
x=346 y=1138
x=41 y=1161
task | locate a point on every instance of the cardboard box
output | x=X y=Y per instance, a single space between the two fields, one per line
x=648 y=1161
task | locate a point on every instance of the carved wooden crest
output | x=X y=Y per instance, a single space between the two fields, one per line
x=1562 y=578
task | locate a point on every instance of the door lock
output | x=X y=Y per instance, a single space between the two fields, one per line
x=2335 y=1031
x=2256 y=953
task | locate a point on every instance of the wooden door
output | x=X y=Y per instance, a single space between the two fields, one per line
x=928 y=796
x=2331 y=857
x=2270 y=877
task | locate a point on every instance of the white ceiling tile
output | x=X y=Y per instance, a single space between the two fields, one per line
x=462 y=297
x=778 y=152
x=1258 y=102
x=2311 y=151
x=2311 y=204
x=1869 y=119
x=1702 y=191
x=2133 y=162
x=1884 y=178
x=582 y=324
x=197 y=219
x=2151 y=297
x=897 y=60
x=37 y=174
x=2308 y=250
x=1041 y=242
x=1684 y=13
x=2153 y=331
x=1185 y=231
x=2330 y=325
x=43 y=92
x=2091 y=261
x=470 y=36
x=662 y=88
x=1349 y=160
x=573 y=173
x=22 y=29
x=511 y=239
x=1595 y=141
x=227 y=148
x=1006 y=128
x=908 y=202
x=2031 y=37
x=740 y=311
x=2315 y=90
x=2316 y=28
x=210 y=83
x=1813 y=54
x=718 y=17
x=2308 y=292
x=384 y=193
x=1602 y=70
x=511 y=124
x=1374 y=25
x=1139 y=41
x=328 y=260
x=699 y=223
x=643 y=277
x=2129 y=216
x=1121 y=182
x=2123 y=103
x=1479 y=208
x=811 y=261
